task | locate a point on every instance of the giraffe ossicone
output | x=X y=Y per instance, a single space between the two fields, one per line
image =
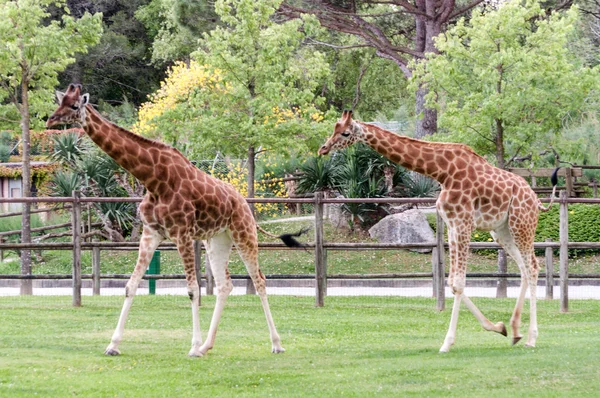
x=182 y=204
x=474 y=195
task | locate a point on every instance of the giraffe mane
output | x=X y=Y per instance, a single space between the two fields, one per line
x=136 y=137
x=454 y=145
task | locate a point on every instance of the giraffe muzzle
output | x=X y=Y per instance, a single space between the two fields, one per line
x=324 y=150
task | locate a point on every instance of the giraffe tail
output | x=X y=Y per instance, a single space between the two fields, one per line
x=554 y=181
x=288 y=239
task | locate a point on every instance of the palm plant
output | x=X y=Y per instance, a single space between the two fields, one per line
x=420 y=186
x=319 y=174
x=68 y=148
x=95 y=174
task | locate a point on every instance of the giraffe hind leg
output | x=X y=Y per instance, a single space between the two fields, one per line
x=218 y=250
x=528 y=279
x=249 y=254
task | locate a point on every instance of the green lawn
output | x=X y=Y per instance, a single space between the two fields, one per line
x=359 y=346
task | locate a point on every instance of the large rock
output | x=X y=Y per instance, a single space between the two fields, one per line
x=410 y=226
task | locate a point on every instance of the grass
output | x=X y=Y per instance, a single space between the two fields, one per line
x=357 y=346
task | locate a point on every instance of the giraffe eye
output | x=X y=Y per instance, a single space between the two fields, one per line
x=74 y=107
x=345 y=134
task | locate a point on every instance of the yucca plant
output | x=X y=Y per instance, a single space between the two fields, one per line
x=420 y=186
x=68 y=148
x=319 y=174
x=65 y=182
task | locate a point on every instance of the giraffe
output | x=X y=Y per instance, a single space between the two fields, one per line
x=474 y=194
x=183 y=204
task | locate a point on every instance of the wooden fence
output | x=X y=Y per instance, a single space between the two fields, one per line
x=320 y=247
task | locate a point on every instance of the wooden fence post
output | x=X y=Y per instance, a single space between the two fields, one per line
x=569 y=181
x=502 y=269
x=549 y=272
x=320 y=265
x=76 y=226
x=210 y=282
x=96 y=270
x=564 y=252
x=197 y=266
x=438 y=264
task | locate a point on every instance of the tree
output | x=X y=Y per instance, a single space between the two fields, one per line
x=176 y=26
x=398 y=30
x=254 y=88
x=117 y=69
x=505 y=82
x=34 y=51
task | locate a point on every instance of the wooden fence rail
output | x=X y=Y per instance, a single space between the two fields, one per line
x=319 y=245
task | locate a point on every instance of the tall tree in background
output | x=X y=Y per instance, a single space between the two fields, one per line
x=176 y=26
x=117 y=69
x=507 y=79
x=33 y=51
x=399 y=30
x=253 y=86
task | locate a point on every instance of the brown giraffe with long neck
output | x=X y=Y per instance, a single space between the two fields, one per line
x=183 y=204
x=474 y=194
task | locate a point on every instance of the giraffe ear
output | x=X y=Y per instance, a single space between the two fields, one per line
x=59 y=96
x=85 y=99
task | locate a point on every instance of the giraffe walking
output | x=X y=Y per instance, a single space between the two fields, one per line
x=183 y=204
x=474 y=195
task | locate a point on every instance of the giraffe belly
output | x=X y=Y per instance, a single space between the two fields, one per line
x=487 y=222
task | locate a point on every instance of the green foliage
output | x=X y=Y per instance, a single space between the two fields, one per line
x=175 y=26
x=5 y=151
x=92 y=172
x=68 y=148
x=270 y=83
x=65 y=182
x=505 y=80
x=117 y=68
x=584 y=225
x=35 y=50
x=319 y=174
x=419 y=186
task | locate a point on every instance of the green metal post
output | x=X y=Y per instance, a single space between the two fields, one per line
x=153 y=269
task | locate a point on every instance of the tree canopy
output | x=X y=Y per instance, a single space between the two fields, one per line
x=505 y=81
x=251 y=85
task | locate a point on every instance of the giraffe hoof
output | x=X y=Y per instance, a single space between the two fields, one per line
x=516 y=340
x=530 y=345
x=195 y=354
x=112 y=352
x=277 y=350
x=502 y=328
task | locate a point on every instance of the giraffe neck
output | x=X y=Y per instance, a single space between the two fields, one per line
x=433 y=159
x=136 y=154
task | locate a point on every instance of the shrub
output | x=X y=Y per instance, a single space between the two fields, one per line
x=584 y=226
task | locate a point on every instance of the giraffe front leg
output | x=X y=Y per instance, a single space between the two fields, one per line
x=148 y=243
x=451 y=335
x=185 y=246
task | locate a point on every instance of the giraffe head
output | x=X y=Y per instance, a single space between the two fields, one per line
x=344 y=134
x=71 y=107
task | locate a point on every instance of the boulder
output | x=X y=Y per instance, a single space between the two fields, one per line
x=410 y=226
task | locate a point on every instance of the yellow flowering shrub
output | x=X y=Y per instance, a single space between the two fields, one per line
x=181 y=81
x=238 y=177
x=284 y=115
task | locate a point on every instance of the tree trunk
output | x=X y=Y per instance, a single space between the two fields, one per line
x=26 y=285
x=500 y=144
x=426 y=117
x=251 y=155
